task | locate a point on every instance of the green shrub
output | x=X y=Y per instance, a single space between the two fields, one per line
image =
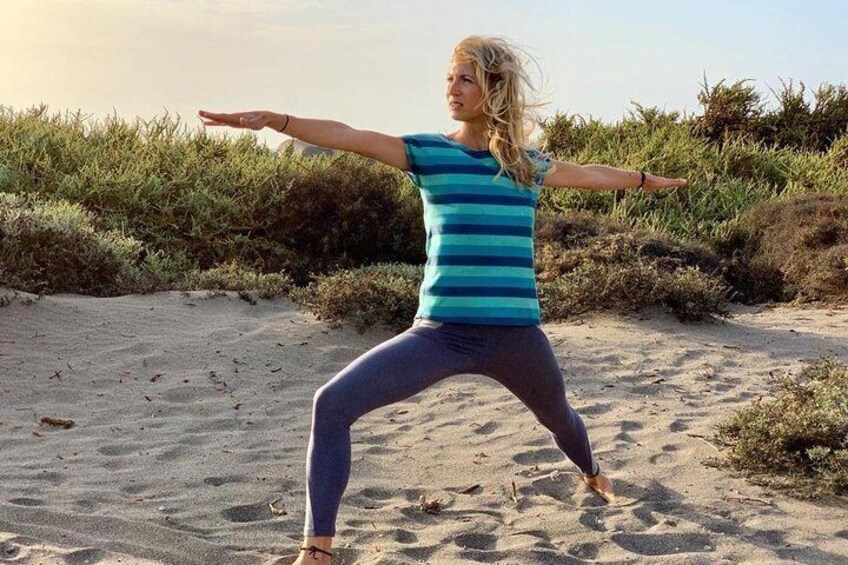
x=384 y=293
x=789 y=125
x=830 y=115
x=755 y=162
x=236 y=277
x=629 y=287
x=215 y=199
x=838 y=153
x=794 y=248
x=574 y=229
x=48 y=247
x=567 y=134
x=693 y=295
x=728 y=110
x=594 y=263
x=738 y=111
x=201 y=201
x=798 y=439
x=627 y=248
x=345 y=213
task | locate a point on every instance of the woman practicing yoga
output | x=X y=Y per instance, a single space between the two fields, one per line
x=478 y=307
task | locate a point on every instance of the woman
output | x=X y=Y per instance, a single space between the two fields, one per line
x=478 y=309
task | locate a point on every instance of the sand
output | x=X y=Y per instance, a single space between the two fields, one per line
x=191 y=414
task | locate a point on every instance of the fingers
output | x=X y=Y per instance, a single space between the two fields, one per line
x=217 y=119
x=210 y=115
x=671 y=183
x=662 y=183
x=250 y=120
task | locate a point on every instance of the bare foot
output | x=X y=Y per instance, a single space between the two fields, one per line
x=602 y=485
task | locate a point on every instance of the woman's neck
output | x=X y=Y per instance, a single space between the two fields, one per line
x=472 y=135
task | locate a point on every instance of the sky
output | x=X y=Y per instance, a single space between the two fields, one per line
x=380 y=64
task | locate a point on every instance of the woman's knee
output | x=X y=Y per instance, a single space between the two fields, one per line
x=331 y=408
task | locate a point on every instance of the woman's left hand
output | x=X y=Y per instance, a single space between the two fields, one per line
x=654 y=183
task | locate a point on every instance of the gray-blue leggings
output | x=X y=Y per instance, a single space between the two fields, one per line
x=518 y=357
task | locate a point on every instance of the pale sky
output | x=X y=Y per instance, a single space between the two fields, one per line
x=380 y=64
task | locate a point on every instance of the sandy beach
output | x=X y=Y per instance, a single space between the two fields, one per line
x=191 y=415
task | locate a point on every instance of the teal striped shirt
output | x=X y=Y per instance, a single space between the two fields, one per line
x=480 y=231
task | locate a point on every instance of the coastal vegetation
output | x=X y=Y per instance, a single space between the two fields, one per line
x=111 y=207
x=796 y=439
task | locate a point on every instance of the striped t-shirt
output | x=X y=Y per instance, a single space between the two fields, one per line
x=480 y=230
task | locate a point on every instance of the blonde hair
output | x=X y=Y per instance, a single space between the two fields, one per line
x=511 y=117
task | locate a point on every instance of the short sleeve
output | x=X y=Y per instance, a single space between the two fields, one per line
x=413 y=156
x=543 y=164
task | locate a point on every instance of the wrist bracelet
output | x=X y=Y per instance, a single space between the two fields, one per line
x=642 y=182
x=285 y=125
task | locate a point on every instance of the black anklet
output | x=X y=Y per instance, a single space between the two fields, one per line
x=313 y=550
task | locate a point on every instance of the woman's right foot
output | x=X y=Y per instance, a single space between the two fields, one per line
x=602 y=485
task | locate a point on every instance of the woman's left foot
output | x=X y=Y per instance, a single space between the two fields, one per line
x=602 y=485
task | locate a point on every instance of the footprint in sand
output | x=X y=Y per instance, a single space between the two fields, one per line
x=678 y=426
x=549 y=455
x=218 y=481
x=185 y=394
x=195 y=440
x=404 y=536
x=476 y=541
x=541 y=534
x=378 y=439
x=51 y=476
x=584 y=551
x=174 y=454
x=630 y=426
x=664 y=544
x=592 y=520
x=215 y=425
x=645 y=516
x=555 y=487
x=85 y=556
x=377 y=493
x=664 y=457
x=9 y=551
x=247 y=513
x=134 y=488
x=420 y=554
x=595 y=409
x=486 y=428
x=27 y=502
x=381 y=450
x=119 y=449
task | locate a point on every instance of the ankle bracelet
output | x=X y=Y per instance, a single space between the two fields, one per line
x=312 y=549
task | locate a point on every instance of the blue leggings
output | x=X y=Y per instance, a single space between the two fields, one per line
x=518 y=357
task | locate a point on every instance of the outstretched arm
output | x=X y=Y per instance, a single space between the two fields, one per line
x=325 y=133
x=602 y=177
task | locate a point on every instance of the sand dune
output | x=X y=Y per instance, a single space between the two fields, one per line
x=191 y=414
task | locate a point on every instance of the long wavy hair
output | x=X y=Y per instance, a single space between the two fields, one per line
x=511 y=114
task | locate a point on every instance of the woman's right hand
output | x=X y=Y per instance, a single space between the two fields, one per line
x=251 y=120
